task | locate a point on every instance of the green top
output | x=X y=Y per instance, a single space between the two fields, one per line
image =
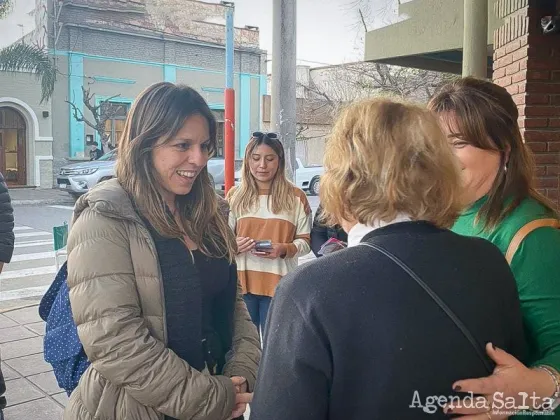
x=536 y=271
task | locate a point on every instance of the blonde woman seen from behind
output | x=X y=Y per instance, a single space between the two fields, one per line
x=152 y=279
x=352 y=335
x=267 y=207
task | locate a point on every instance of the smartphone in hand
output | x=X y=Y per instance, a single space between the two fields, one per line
x=332 y=245
x=263 y=247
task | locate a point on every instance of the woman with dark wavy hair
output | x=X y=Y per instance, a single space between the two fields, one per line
x=152 y=278
x=503 y=206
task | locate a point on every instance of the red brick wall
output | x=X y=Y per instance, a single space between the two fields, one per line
x=527 y=64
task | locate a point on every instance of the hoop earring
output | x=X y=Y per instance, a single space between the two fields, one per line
x=505 y=169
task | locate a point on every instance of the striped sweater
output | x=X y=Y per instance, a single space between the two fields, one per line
x=259 y=276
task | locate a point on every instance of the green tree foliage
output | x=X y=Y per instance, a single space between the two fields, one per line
x=23 y=57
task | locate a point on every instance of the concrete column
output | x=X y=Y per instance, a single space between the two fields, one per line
x=475 y=38
x=283 y=95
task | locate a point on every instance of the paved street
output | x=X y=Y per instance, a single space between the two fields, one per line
x=44 y=217
x=32 y=269
x=32 y=391
x=33 y=266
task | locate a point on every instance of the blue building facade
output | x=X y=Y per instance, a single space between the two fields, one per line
x=114 y=54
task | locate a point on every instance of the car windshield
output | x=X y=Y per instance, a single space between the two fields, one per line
x=112 y=155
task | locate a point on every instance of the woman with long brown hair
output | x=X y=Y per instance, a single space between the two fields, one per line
x=153 y=284
x=267 y=207
x=504 y=207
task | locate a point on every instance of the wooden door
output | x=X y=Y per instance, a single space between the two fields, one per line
x=2 y=154
x=13 y=135
x=22 y=156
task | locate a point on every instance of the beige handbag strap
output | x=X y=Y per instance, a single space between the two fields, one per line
x=524 y=231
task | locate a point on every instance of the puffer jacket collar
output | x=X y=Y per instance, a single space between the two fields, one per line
x=109 y=199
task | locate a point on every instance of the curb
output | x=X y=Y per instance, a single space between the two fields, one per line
x=16 y=308
x=42 y=202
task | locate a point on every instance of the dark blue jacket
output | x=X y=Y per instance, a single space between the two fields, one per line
x=6 y=223
x=6 y=248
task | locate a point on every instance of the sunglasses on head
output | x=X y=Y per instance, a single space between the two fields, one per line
x=260 y=135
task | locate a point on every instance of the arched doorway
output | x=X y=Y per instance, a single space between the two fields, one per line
x=13 y=138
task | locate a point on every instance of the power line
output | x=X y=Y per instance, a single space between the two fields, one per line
x=315 y=62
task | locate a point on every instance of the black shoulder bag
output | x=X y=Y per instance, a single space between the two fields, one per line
x=438 y=300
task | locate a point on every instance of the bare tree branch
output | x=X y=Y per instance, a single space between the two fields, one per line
x=328 y=89
x=370 y=12
x=79 y=115
x=363 y=20
x=101 y=113
x=348 y=82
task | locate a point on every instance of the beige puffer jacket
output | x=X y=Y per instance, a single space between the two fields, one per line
x=116 y=293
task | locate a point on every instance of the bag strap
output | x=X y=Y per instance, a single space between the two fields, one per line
x=438 y=300
x=524 y=231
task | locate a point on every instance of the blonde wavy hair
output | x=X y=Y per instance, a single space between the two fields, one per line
x=246 y=197
x=160 y=111
x=386 y=157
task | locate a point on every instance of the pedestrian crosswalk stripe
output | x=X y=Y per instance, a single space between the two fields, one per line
x=34 y=243
x=23 y=293
x=63 y=207
x=32 y=268
x=32 y=234
x=33 y=256
x=16 y=274
x=18 y=228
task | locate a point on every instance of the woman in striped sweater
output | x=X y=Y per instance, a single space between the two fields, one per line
x=267 y=207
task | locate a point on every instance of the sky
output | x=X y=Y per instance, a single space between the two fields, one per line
x=328 y=31
x=10 y=30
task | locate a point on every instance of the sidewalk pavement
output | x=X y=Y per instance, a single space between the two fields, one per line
x=31 y=388
x=36 y=196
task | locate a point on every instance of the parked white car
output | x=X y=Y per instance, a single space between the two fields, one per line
x=79 y=178
x=306 y=177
